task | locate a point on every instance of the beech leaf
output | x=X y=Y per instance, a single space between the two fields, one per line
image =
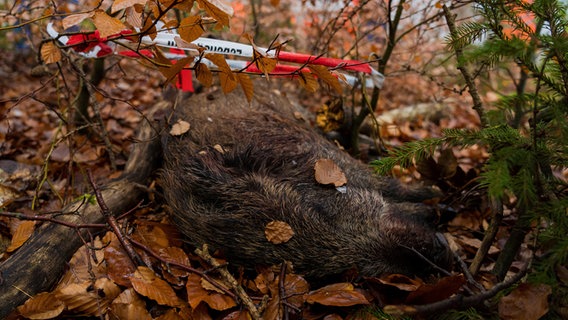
x=218 y=10
x=190 y=28
x=179 y=128
x=327 y=172
x=23 y=232
x=196 y=294
x=42 y=306
x=323 y=73
x=50 y=53
x=278 y=232
x=338 y=295
x=146 y=283
x=526 y=302
x=106 y=24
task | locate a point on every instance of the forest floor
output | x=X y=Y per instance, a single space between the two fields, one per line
x=43 y=165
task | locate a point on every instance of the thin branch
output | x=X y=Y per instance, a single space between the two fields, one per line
x=469 y=80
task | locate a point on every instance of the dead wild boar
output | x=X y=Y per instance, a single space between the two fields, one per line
x=241 y=166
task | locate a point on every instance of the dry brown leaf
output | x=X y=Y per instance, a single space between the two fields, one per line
x=177 y=255
x=323 y=73
x=218 y=10
x=174 y=69
x=82 y=266
x=87 y=298
x=526 y=302
x=190 y=28
x=228 y=81
x=50 y=53
x=337 y=294
x=23 y=232
x=179 y=128
x=74 y=19
x=146 y=283
x=327 y=172
x=278 y=232
x=123 y=4
x=106 y=24
x=308 y=81
x=401 y=282
x=119 y=266
x=196 y=294
x=171 y=314
x=294 y=286
x=442 y=289
x=42 y=306
x=129 y=305
x=203 y=74
x=246 y=85
x=152 y=235
x=226 y=76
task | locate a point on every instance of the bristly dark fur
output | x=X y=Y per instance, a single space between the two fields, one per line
x=265 y=173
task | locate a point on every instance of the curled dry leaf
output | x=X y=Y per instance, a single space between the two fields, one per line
x=218 y=10
x=123 y=4
x=444 y=288
x=87 y=298
x=179 y=128
x=337 y=294
x=42 y=306
x=196 y=294
x=146 y=283
x=22 y=234
x=526 y=302
x=327 y=172
x=129 y=305
x=278 y=232
x=401 y=282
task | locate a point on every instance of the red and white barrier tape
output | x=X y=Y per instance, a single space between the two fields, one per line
x=93 y=46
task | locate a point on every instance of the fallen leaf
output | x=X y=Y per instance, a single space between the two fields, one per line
x=327 y=172
x=23 y=232
x=196 y=294
x=278 y=232
x=401 y=282
x=338 y=295
x=146 y=283
x=42 y=306
x=442 y=289
x=179 y=128
x=526 y=302
x=129 y=305
x=88 y=299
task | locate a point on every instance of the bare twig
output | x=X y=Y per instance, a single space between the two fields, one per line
x=457 y=301
x=469 y=80
x=255 y=313
x=111 y=220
